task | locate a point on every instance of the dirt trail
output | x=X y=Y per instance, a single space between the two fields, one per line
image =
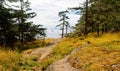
x=62 y=65
x=45 y=51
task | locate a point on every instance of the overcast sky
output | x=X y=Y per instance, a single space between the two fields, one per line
x=47 y=11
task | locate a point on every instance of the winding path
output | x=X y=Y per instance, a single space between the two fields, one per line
x=62 y=65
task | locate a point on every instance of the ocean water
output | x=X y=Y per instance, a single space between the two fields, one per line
x=53 y=34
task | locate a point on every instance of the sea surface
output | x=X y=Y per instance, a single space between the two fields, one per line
x=53 y=33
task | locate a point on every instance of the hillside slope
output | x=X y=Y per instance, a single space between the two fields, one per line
x=102 y=54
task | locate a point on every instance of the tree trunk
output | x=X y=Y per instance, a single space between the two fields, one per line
x=86 y=18
x=66 y=29
x=63 y=27
x=63 y=31
x=22 y=22
x=98 y=30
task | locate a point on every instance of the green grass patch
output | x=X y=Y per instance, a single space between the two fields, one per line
x=30 y=63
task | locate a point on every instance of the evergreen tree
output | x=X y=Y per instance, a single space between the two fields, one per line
x=14 y=24
x=102 y=16
x=64 y=21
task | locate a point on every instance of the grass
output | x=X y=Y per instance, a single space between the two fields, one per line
x=60 y=51
x=29 y=63
x=33 y=44
x=13 y=60
x=103 y=54
x=9 y=60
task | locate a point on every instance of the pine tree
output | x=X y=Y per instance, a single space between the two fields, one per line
x=64 y=21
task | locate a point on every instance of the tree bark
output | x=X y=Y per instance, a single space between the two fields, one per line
x=86 y=18
x=98 y=29
x=63 y=30
x=66 y=29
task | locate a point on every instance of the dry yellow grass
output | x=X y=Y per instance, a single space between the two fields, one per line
x=49 y=40
x=103 y=54
x=103 y=38
x=9 y=60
